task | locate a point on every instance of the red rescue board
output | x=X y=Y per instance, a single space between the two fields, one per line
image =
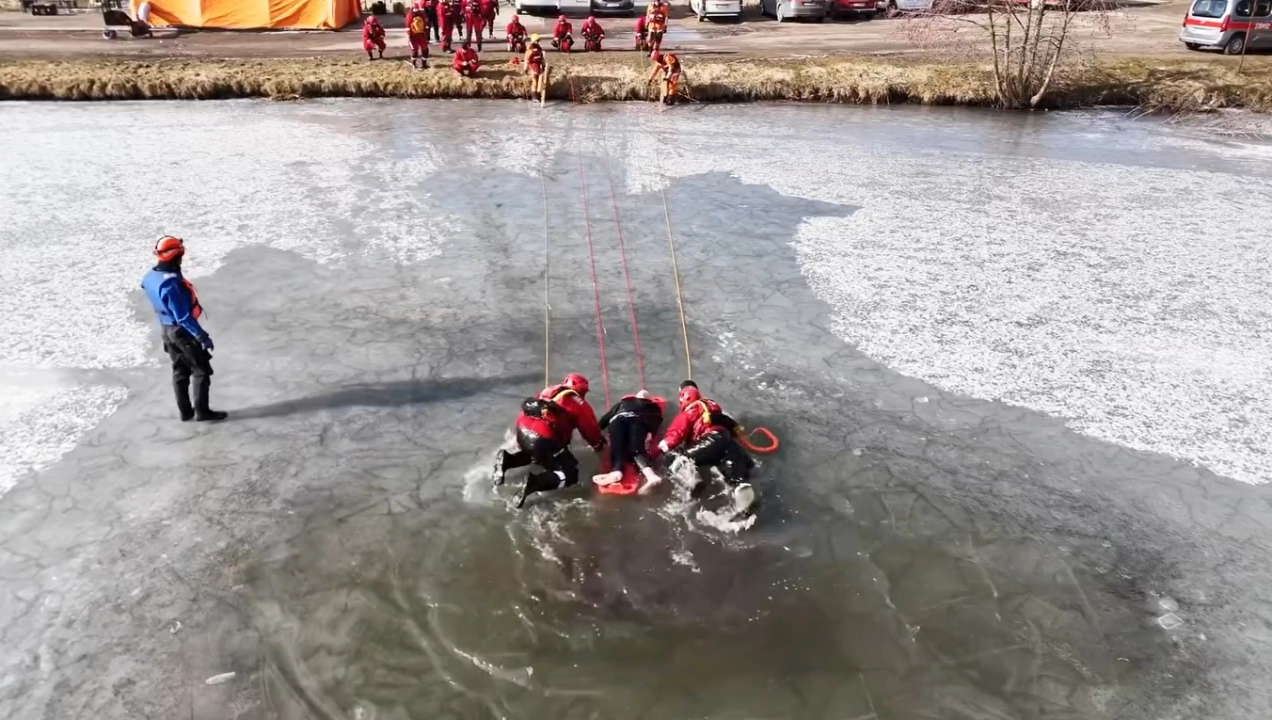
x=629 y=485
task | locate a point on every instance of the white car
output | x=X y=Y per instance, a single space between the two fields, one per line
x=716 y=9
x=895 y=6
x=538 y=7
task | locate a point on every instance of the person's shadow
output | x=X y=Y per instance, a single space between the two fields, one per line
x=388 y=394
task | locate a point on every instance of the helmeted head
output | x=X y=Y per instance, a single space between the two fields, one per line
x=576 y=382
x=373 y=20
x=656 y=57
x=169 y=248
x=591 y=18
x=689 y=393
x=534 y=38
x=561 y=19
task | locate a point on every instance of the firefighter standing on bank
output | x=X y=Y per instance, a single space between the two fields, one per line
x=176 y=305
x=668 y=66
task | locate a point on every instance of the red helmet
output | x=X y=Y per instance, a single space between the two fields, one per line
x=656 y=56
x=591 y=18
x=169 y=248
x=561 y=19
x=576 y=382
x=689 y=395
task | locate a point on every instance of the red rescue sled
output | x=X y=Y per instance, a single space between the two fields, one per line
x=629 y=485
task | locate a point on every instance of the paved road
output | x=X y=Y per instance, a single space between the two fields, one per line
x=1149 y=29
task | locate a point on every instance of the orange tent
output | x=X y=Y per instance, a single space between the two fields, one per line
x=254 y=14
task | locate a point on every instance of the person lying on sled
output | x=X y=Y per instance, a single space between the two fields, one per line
x=631 y=423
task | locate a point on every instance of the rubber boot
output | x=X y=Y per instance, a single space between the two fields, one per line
x=202 y=412
x=182 y=390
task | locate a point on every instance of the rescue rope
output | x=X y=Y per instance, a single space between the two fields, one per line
x=744 y=437
x=675 y=269
x=591 y=255
x=622 y=251
x=547 y=308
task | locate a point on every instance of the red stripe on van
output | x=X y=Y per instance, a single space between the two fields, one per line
x=1232 y=25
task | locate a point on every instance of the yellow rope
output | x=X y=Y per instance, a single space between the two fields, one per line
x=675 y=270
x=547 y=314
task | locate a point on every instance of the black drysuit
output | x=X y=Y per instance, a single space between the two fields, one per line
x=630 y=423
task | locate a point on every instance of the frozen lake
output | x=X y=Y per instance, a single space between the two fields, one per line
x=1020 y=365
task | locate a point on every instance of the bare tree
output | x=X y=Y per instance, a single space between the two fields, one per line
x=1029 y=41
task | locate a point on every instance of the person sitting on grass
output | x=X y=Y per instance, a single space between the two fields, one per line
x=373 y=37
x=465 y=61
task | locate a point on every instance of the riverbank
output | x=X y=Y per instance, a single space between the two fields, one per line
x=1164 y=84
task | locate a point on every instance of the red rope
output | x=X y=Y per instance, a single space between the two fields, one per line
x=622 y=250
x=596 y=288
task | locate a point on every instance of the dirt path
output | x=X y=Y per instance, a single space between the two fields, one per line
x=1145 y=30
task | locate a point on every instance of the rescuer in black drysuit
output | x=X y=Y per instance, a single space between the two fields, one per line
x=631 y=423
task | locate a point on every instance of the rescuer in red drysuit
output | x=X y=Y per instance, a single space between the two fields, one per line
x=592 y=35
x=544 y=428
x=709 y=437
x=473 y=21
x=465 y=60
x=373 y=37
x=516 y=34
x=563 y=35
x=489 y=11
x=452 y=19
x=417 y=22
x=631 y=424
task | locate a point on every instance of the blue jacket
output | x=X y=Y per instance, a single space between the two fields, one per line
x=172 y=300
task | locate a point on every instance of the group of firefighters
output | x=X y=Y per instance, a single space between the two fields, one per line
x=701 y=433
x=444 y=18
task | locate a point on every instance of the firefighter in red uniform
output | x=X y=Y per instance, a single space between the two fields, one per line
x=543 y=429
x=489 y=11
x=593 y=34
x=709 y=439
x=655 y=24
x=668 y=65
x=516 y=34
x=465 y=60
x=473 y=21
x=563 y=35
x=640 y=37
x=536 y=66
x=417 y=22
x=451 y=18
x=373 y=37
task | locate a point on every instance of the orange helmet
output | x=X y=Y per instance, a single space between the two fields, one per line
x=576 y=382
x=169 y=248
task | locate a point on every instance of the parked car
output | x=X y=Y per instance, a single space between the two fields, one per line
x=537 y=7
x=785 y=10
x=895 y=7
x=1232 y=26
x=704 y=9
x=613 y=7
x=858 y=9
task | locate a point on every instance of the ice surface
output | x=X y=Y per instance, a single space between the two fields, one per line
x=917 y=553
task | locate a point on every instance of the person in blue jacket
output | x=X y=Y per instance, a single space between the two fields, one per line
x=176 y=305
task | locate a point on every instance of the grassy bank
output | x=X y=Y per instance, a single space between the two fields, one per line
x=1151 y=83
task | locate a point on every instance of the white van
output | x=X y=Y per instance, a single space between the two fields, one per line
x=716 y=9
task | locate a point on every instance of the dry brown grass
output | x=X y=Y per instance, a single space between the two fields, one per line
x=1157 y=84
